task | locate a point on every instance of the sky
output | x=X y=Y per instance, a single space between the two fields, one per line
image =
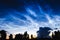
x=18 y=16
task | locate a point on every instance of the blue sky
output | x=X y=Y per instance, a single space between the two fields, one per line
x=18 y=16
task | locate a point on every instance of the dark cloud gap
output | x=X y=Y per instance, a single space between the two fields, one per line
x=53 y=4
x=19 y=5
x=10 y=4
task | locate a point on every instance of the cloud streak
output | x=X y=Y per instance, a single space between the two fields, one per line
x=14 y=24
x=29 y=25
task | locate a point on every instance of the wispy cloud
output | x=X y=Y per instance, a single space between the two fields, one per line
x=29 y=25
x=31 y=12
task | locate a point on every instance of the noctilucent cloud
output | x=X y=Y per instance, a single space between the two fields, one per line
x=18 y=16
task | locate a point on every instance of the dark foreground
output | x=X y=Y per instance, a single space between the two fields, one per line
x=37 y=39
x=25 y=36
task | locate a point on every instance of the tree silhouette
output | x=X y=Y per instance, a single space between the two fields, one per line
x=11 y=37
x=31 y=36
x=43 y=32
x=26 y=36
x=3 y=34
x=19 y=37
x=57 y=35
